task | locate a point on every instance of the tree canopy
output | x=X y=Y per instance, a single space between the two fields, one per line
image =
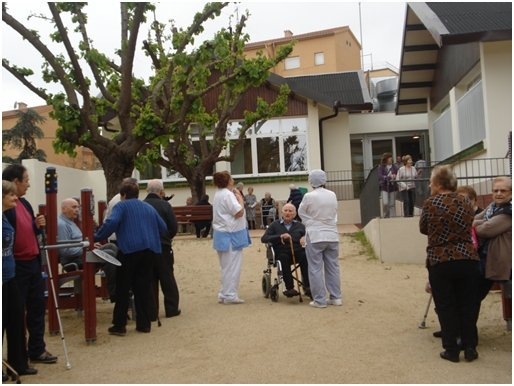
x=22 y=136
x=166 y=119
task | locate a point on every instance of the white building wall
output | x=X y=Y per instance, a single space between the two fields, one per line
x=386 y=122
x=496 y=67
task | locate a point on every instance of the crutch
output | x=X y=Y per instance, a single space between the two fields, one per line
x=295 y=270
x=13 y=373
x=422 y=324
x=56 y=299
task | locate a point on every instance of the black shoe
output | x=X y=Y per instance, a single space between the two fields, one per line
x=449 y=356
x=119 y=331
x=290 y=293
x=438 y=334
x=145 y=330
x=172 y=314
x=470 y=354
x=46 y=357
x=28 y=371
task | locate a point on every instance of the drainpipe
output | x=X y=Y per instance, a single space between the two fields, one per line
x=337 y=104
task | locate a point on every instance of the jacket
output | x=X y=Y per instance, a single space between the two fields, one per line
x=497 y=230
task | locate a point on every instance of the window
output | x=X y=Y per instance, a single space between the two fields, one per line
x=274 y=146
x=292 y=63
x=319 y=58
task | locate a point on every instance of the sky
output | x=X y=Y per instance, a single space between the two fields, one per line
x=377 y=25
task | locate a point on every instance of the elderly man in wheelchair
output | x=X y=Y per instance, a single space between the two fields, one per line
x=286 y=238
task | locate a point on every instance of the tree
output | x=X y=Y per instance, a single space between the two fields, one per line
x=155 y=117
x=23 y=136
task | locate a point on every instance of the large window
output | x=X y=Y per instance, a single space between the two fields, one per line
x=276 y=146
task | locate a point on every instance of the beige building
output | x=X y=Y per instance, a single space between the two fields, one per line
x=85 y=158
x=319 y=52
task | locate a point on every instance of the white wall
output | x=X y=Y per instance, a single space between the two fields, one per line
x=397 y=240
x=496 y=67
x=386 y=122
x=70 y=182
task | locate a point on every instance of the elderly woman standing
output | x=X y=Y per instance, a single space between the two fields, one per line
x=452 y=263
x=386 y=175
x=494 y=229
x=407 y=186
x=230 y=235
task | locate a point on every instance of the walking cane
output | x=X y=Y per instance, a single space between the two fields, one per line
x=56 y=299
x=295 y=268
x=422 y=324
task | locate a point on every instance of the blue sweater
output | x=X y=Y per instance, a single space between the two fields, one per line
x=8 y=265
x=137 y=224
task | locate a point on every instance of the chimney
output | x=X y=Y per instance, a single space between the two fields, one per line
x=22 y=106
x=288 y=33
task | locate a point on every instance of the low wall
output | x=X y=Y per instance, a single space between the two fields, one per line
x=70 y=182
x=397 y=240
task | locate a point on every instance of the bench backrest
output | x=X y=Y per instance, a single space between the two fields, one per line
x=190 y=213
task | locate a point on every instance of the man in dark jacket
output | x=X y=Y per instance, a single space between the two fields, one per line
x=28 y=263
x=279 y=234
x=164 y=266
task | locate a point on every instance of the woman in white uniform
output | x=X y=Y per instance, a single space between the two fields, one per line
x=230 y=235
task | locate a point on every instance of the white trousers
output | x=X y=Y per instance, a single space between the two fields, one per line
x=230 y=265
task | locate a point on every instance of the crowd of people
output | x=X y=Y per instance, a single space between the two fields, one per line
x=468 y=249
x=403 y=177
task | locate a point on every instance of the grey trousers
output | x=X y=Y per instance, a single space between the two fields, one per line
x=324 y=272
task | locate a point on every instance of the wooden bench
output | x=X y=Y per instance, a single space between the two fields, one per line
x=188 y=214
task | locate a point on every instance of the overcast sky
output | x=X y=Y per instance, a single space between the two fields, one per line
x=381 y=24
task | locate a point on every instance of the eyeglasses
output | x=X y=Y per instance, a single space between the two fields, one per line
x=501 y=190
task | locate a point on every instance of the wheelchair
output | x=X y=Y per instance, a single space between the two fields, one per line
x=269 y=290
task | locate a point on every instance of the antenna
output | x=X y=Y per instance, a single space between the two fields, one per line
x=362 y=43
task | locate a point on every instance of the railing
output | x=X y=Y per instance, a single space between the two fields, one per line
x=477 y=173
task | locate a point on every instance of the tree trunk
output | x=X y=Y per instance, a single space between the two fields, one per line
x=115 y=170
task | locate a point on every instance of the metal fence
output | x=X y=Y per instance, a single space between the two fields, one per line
x=477 y=173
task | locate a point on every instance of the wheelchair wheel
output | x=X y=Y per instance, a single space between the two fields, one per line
x=274 y=293
x=266 y=285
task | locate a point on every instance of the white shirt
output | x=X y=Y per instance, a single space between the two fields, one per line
x=318 y=211
x=110 y=205
x=224 y=208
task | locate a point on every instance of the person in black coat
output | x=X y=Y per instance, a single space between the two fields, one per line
x=295 y=198
x=203 y=228
x=278 y=234
x=163 y=269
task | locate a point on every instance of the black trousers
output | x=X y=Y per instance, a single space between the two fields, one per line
x=286 y=259
x=408 y=198
x=455 y=290
x=163 y=274
x=135 y=273
x=199 y=225
x=13 y=323
x=31 y=286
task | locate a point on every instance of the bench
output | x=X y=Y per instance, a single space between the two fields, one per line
x=188 y=214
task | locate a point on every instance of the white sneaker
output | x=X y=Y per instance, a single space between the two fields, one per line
x=317 y=305
x=335 y=302
x=232 y=301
